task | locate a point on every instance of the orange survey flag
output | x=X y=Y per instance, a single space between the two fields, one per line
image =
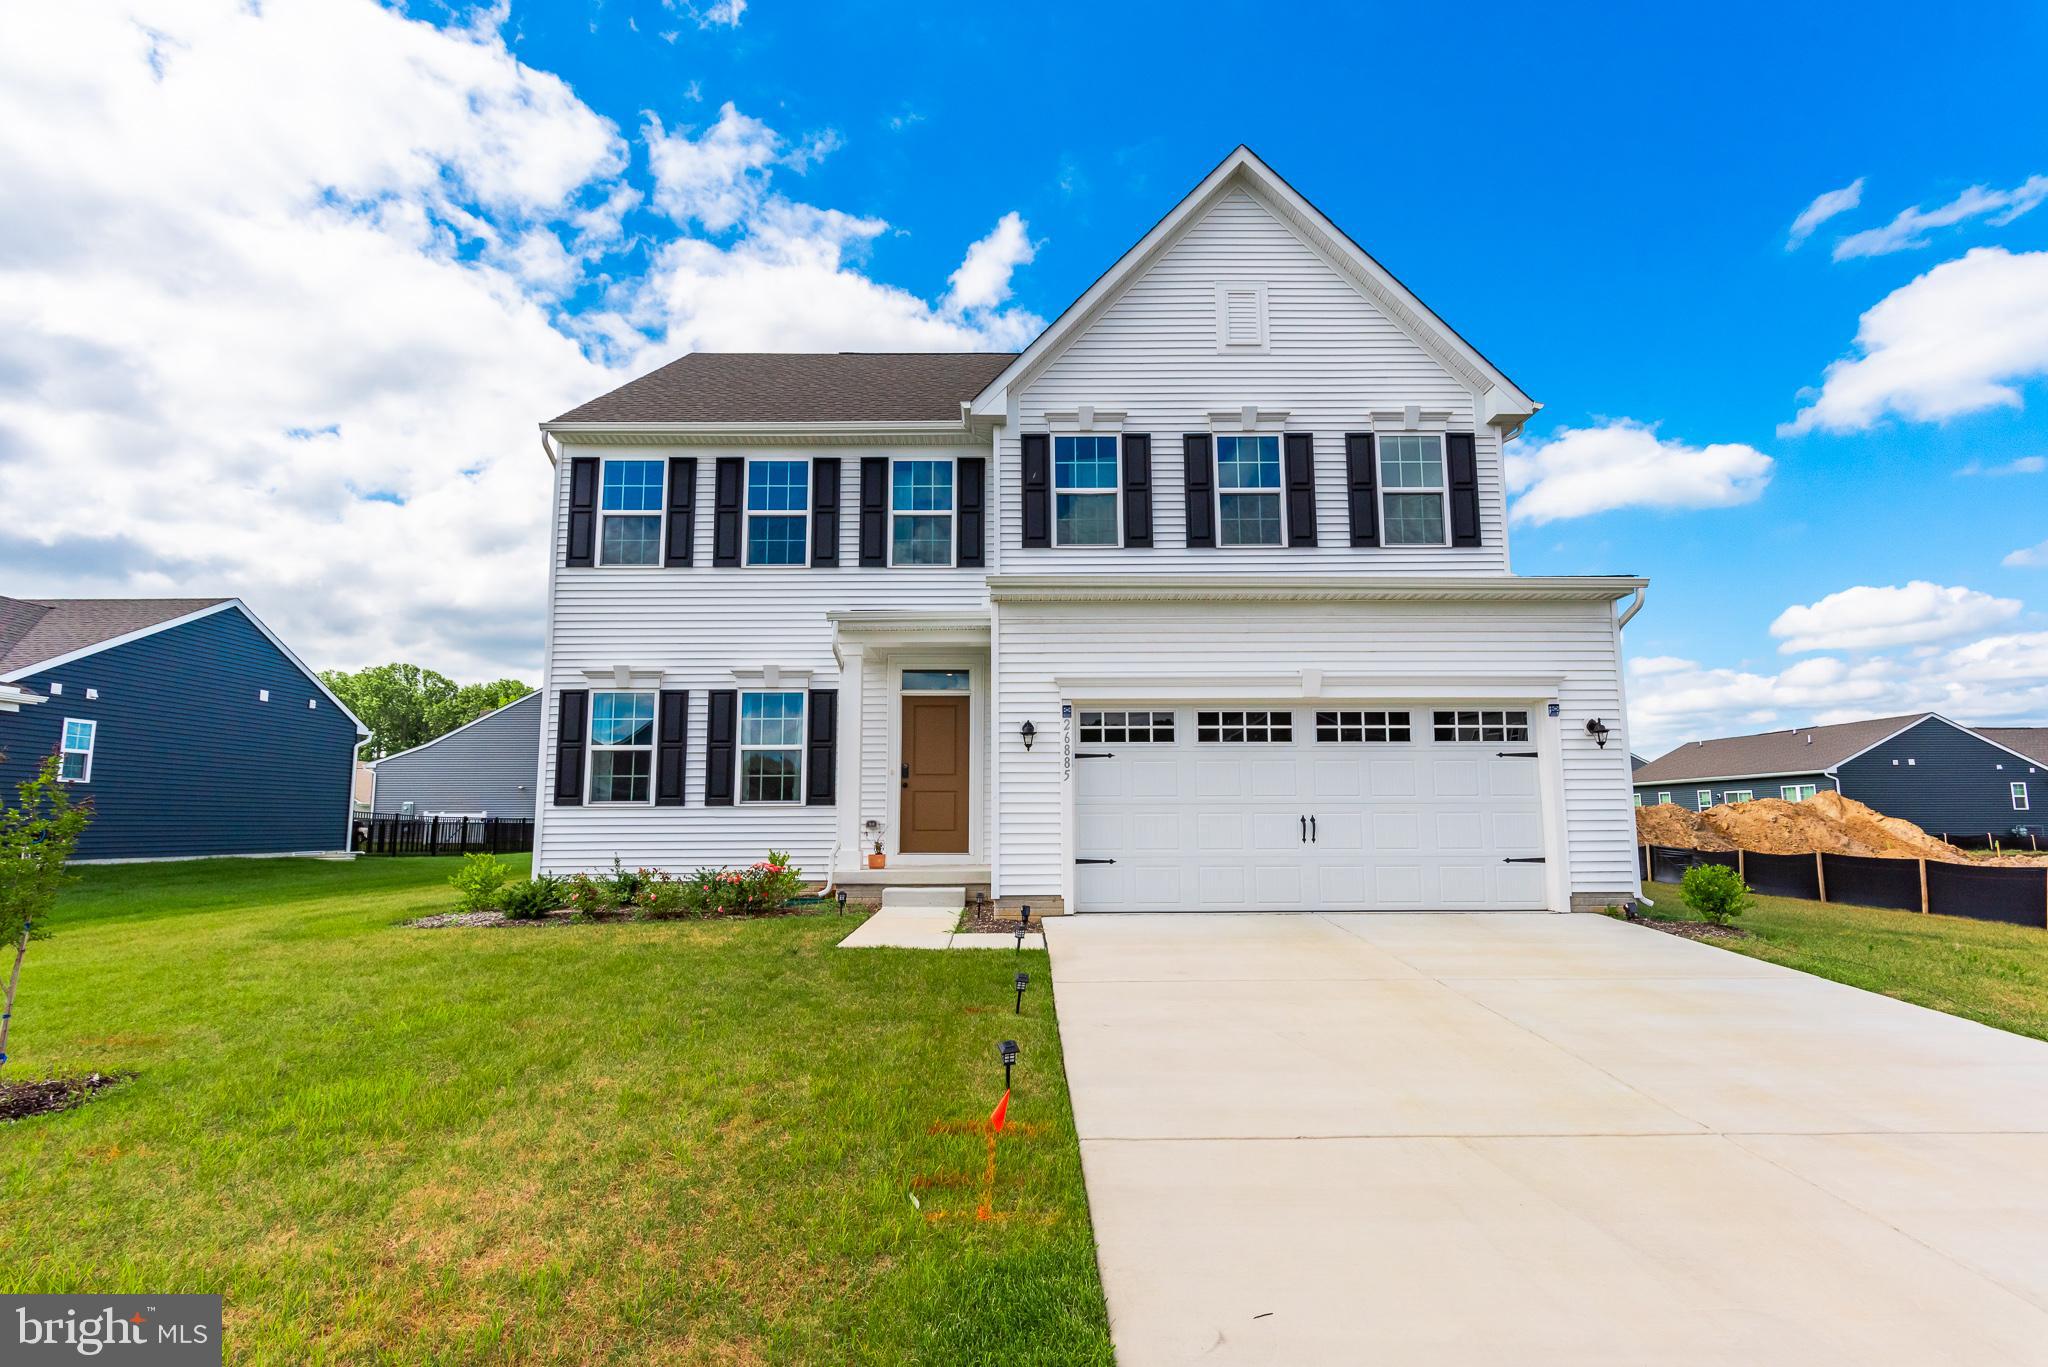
x=999 y=1115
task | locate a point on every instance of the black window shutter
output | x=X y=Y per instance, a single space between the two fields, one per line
x=1138 y=491
x=1461 y=454
x=682 y=510
x=727 y=477
x=874 y=510
x=1198 y=455
x=971 y=520
x=1037 y=488
x=825 y=511
x=582 y=511
x=571 y=738
x=721 y=750
x=1362 y=486
x=821 y=753
x=671 y=737
x=1301 y=488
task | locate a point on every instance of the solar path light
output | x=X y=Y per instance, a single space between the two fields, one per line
x=1023 y=981
x=1008 y=1050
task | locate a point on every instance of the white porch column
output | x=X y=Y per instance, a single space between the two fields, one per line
x=852 y=675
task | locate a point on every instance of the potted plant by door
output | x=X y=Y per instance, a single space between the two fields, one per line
x=876 y=859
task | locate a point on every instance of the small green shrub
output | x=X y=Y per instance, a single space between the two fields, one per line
x=589 y=896
x=625 y=884
x=479 y=881
x=1715 y=893
x=662 y=897
x=531 y=900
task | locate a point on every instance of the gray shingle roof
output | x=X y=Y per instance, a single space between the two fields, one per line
x=1803 y=750
x=36 y=629
x=761 y=386
x=2031 y=741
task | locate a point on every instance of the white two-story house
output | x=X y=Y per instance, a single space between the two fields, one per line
x=1201 y=602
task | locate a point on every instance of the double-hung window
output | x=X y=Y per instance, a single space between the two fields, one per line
x=2019 y=797
x=778 y=512
x=621 y=747
x=1248 y=491
x=1412 y=489
x=921 y=512
x=1705 y=798
x=771 y=747
x=1084 y=491
x=75 y=763
x=631 y=512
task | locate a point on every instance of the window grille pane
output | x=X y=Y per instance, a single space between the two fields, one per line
x=622 y=719
x=778 y=486
x=72 y=767
x=771 y=719
x=1248 y=462
x=923 y=486
x=1410 y=461
x=631 y=540
x=1250 y=519
x=632 y=486
x=775 y=540
x=922 y=540
x=1414 y=519
x=1085 y=519
x=1084 y=462
x=769 y=775
x=620 y=775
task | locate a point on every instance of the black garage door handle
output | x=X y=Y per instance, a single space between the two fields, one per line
x=1538 y=859
x=1095 y=861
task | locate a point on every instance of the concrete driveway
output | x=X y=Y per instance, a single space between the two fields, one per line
x=1540 y=1139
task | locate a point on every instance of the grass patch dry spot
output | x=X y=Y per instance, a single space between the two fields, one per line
x=1981 y=970
x=687 y=1142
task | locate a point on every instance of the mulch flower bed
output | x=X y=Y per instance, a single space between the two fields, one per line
x=20 y=1100
x=987 y=920
x=1694 y=930
x=488 y=918
x=569 y=916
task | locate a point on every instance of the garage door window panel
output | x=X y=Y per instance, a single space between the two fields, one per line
x=1481 y=725
x=1244 y=728
x=1345 y=727
x=1127 y=727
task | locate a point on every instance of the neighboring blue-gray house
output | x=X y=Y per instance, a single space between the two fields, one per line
x=487 y=768
x=193 y=730
x=1942 y=776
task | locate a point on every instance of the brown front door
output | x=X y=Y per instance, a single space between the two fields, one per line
x=934 y=811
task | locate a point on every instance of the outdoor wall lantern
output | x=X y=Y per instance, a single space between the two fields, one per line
x=1030 y=733
x=1597 y=729
x=1023 y=981
x=1008 y=1050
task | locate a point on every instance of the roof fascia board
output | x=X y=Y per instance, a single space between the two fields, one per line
x=1638 y=781
x=57 y=661
x=1404 y=306
x=473 y=721
x=933 y=431
x=1018 y=588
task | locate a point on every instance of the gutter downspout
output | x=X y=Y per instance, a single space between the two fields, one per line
x=1642 y=596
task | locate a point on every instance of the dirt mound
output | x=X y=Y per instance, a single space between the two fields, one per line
x=1827 y=822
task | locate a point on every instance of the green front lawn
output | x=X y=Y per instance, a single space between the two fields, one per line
x=1988 y=972
x=611 y=1143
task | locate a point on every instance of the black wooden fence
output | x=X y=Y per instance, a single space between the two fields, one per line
x=442 y=835
x=1981 y=892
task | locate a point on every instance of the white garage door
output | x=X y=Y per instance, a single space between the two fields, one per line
x=1414 y=807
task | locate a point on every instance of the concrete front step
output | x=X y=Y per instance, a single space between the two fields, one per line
x=921 y=899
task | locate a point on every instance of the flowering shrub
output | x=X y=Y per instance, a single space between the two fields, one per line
x=752 y=891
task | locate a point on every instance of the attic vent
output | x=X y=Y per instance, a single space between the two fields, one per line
x=1241 y=315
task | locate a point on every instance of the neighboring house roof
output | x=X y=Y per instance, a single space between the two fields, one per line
x=1503 y=402
x=519 y=701
x=1802 y=750
x=66 y=629
x=796 y=387
x=2031 y=741
x=33 y=630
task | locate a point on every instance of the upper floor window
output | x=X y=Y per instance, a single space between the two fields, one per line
x=1248 y=491
x=631 y=510
x=921 y=512
x=771 y=747
x=778 y=512
x=1084 y=491
x=621 y=747
x=2019 y=797
x=75 y=765
x=1412 y=489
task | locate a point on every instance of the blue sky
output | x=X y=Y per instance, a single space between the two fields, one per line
x=493 y=213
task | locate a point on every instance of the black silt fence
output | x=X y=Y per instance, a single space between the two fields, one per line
x=1785 y=875
x=1668 y=863
x=1988 y=893
x=1866 y=882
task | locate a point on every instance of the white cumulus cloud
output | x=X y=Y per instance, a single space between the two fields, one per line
x=2028 y=558
x=2024 y=465
x=1960 y=338
x=1824 y=207
x=1870 y=618
x=983 y=280
x=1625 y=464
x=1910 y=228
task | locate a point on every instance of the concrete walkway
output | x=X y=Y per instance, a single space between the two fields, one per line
x=1540 y=1139
x=925 y=918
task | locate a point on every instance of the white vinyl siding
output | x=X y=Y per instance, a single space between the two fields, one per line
x=1333 y=360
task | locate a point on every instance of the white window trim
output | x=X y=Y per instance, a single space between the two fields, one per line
x=747 y=514
x=952 y=526
x=1663 y=797
x=660 y=514
x=1279 y=491
x=1734 y=795
x=590 y=765
x=2019 y=797
x=1224 y=346
x=1116 y=491
x=1790 y=791
x=1639 y=799
x=1442 y=491
x=92 y=733
x=740 y=747
x=1704 y=798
